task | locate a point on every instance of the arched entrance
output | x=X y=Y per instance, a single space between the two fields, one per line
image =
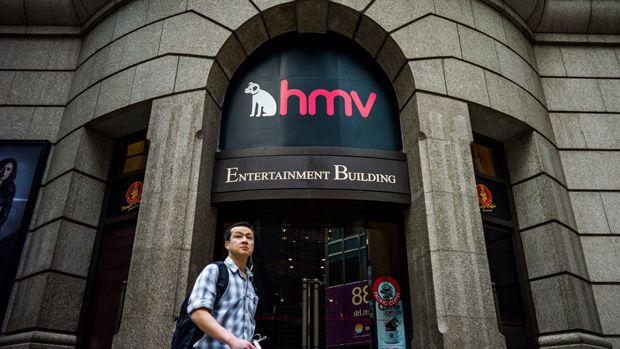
x=314 y=267
x=310 y=152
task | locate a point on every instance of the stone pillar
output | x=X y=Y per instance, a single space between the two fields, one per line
x=46 y=302
x=158 y=275
x=452 y=298
x=558 y=275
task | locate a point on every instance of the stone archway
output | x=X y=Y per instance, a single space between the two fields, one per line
x=446 y=256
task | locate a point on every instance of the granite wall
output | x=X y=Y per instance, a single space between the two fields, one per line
x=458 y=67
x=35 y=78
x=581 y=79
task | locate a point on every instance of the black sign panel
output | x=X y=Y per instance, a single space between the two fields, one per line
x=310 y=90
x=493 y=199
x=125 y=196
x=312 y=172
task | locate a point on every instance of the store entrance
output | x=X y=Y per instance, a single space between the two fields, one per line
x=313 y=272
x=312 y=269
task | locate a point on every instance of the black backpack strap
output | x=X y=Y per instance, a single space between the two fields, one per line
x=186 y=332
x=183 y=312
x=222 y=281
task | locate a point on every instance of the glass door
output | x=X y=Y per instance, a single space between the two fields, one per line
x=314 y=275
x=312 y=281
x=348 y=315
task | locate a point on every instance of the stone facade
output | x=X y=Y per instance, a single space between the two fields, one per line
x=81 y=74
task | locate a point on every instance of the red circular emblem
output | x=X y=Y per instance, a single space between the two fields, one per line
x=484 y=195
x=386 y=291
x=134 y=193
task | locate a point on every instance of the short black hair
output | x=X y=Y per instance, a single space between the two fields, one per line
x=228 y=231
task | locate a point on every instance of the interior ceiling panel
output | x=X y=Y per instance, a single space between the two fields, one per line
x=524 y=8
x=561 y=16
x=605 y=17
x=51 y=12
x=93 y=5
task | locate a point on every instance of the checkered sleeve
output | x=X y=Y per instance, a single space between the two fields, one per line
x=203 y=293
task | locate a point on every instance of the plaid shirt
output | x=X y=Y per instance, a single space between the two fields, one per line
x=235 y=310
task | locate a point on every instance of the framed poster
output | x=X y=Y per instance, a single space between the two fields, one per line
x=21 y=167
x=389 y=313
x=348 y=315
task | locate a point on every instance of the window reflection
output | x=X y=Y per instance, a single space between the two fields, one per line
x=483 y=159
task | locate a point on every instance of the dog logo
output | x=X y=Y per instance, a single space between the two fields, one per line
x=263 y=103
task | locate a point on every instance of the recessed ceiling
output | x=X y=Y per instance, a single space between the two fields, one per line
x=542 y=16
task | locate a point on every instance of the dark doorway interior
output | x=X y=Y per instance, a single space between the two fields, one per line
x=513 y=301
x=111 y=259
x=313 y=270
x=112 y=270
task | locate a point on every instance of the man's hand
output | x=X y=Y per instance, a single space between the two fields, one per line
x=237 y=343
x=207 y=323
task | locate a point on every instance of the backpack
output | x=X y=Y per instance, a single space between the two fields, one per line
x=186 y=332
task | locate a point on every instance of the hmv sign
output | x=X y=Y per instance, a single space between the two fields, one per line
x=263 y=103
x=310 y=90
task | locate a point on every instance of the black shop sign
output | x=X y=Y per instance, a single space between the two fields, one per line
x=310 y=90
x=305 y=176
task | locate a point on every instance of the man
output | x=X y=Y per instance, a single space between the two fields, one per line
x=229 y=323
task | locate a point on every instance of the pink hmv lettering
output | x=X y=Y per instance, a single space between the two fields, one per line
x=263 y=104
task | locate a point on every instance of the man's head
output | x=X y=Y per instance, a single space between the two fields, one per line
x=239 y=239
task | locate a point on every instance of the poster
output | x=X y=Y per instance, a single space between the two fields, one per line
x=348 y=320
x=389 y=310
x=21 y=167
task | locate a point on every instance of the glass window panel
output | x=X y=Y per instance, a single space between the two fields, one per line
x=335 y=270
x=502 y=262
x=335 y=234
x=334 y=247
x=352 y=266
x=483 y=159
x=364 y=263
x=134 y=163
x=516 y=337
x=499 y=199
x=349 y=231
x=510 y=308
x=135 y=148
x=350 y=243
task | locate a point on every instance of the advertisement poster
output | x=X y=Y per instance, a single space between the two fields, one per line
x=348 y=320
x=21 y=167
x=389 y=310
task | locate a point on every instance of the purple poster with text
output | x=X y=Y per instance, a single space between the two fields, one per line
x=347 y=314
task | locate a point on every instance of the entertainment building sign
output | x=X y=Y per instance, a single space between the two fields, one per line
x=317 y=176
x=306 y=117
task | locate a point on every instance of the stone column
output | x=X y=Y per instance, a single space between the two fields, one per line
x=563 y=298
x=46 y=301
x=171 y=204
x=452 y=303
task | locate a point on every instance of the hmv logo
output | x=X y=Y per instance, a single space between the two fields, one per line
x=264 y=104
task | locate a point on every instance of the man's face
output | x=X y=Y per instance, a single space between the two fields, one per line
x=241 y=242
